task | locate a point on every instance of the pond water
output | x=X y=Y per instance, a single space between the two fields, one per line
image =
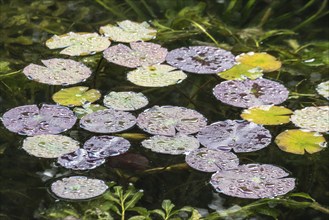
x=296 y=33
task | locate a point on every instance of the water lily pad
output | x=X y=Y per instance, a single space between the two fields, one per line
x=125 y=101
x=298 y=141
x=80 y=159
x=267 y=115
x=58 y=72
x=140 y=54
x=87 y=109
x=127 y=31
x=262 y=60
x=167 y=120
x=250 y=93
x=30 y=120
x=106 y=146
x=78 y=44
x=210 y=160
x=241 y=72
x=201 y=59
x=76 y=96
x=253 y=181
x=241 y=136
x=323 y=89
x=78 y=187
x=179 y=144
x=49 y=145
x=156 y=76
x=312 y=118
x=108 y=121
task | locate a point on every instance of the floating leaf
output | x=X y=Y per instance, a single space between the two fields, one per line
x=253 y=181
x=140 y=54
x=108 y=121
x=87 y=109
x=241 y=136
x=250 y=93
x=76 y=96
x=30 y=120
x=262 y=60
x=267 y=115
x=127 y=31
x=58 y=72
x=241 y=72
x=156 y=76
x=312 y=118
x=49 y=145
x=179 y=144
x=78 y=187
x=201 y=59
x=125 y=101
x=210 y=160
x=323 y=89
x=78 y=44
x=298 y=141
x=166 y=120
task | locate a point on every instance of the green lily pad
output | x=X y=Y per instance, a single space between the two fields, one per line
x=76 y=96
x=125 y=101
x=263 y=60
x=127 y=31
x=78 y=44
x=323 y=89
x=298 y=141
x=156 y=76
x=267 y=115
x=241 y=72
x=86 y=109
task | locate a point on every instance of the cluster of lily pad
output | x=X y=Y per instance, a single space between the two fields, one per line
x=173 y=128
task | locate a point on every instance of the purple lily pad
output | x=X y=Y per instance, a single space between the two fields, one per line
x=30 y=120
x=140 y=54
x=106 y=146
x=201 y=59
x=253 y=181
x=249 y=93
x=167 y=120
x=108 y=121
x=209 y=160
x=80 y=159
x=241 y=136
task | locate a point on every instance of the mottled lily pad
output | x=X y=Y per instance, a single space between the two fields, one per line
x=78 y=187
x=127 y=31
x=312 y=118
x=298 y=141
x=106 y=146
x=179 y=144
x=87 y=109
x=267 y=115
x=30 y=120
x=76 y=96
x=250 y=93
x=78 y=44
x=210 y=160
x=201 y=59
x=167 y=120
x=262 y=60
x=241 y=136
x=140 y=54
x=241 y=72
x=156 y=76
x=125 y=101
x=323 y=89
x=107 y=121
x=58 y=72
x=253 y=181
x=49 y=145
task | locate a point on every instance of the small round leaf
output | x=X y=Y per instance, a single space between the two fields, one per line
x=323 y=89
x=241 y=72
x=263 y=60
x=125 y=101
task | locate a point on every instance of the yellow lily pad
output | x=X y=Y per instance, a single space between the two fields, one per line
x=241 y=72
x=267 y=115
x=298 y=141
x=76 y=96
x=262 y=60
